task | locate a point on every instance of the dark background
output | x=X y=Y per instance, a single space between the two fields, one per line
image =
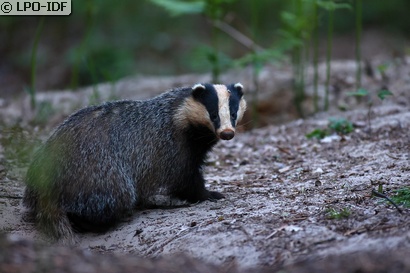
x=106 y=40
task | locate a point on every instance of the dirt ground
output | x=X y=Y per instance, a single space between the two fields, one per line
x=284 y=197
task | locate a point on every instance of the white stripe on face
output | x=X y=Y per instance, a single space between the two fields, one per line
x=223 y=105
x=242 y=104
x=241 y=110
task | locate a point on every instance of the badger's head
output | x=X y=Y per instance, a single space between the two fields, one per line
x=216 y=106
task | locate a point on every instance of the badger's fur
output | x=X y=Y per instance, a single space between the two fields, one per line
x=105 y=160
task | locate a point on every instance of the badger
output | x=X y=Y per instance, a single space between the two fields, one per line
x=104 y=161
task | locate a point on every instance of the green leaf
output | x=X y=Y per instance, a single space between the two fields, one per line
x=359 y=93
x=333 y=213
x=382 y=67
x=402 y=197
x=260 y=57
x=207 y=58
x=317 y=133
x=341 y=125
x=330 y=5
x=382 y=94
x=288 y=17
x=178 y=7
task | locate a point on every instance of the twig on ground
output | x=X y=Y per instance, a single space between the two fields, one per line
x=378 y=194
x=11 y=196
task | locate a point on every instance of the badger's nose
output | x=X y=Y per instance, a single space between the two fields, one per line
x=227 y=134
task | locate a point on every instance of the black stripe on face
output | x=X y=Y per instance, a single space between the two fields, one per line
x=209 y=98
x=234 y=100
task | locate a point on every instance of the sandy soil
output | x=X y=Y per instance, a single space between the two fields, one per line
x=281 y=189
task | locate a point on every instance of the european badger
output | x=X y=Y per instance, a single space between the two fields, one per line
x=103 y=161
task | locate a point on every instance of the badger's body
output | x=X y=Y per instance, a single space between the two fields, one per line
x=105 y=160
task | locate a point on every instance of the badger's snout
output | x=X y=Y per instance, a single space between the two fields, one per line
x=227 y=134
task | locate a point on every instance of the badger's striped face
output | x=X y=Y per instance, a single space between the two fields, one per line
x=219 y=107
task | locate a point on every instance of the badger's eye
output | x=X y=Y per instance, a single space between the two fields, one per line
x=233 y=116
x=214 y=116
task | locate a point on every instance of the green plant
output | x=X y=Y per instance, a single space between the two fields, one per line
x=382 y=94
x=32 y=89
x=216 y=60
x=402 y=197
x=360 y=93
x=256 y=63
x=296 y=30
x=382 y=69
x=330 y=6
x=333 y=213
x=180 y=7
x=340 y=126
x=213 y=11
x=358 y=11
x=318 y=134
x=316 y=57
x=301 y=23
x=379 y=193
x=328 y=55
x=81 y=50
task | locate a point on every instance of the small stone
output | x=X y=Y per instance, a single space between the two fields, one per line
x=318 y=170
x=285 y=169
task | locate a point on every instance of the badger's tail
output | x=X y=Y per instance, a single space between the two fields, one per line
x=54 y=222
x=49 y=217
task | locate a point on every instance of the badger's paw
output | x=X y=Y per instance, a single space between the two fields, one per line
x=214 y=196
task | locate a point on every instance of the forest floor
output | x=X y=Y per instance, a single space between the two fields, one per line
x=289 y=199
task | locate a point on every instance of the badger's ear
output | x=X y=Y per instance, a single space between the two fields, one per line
x=198 y=90
x=239 y=88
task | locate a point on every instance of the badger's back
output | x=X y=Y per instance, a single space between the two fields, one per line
x=104 y=160
x=117 y=143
